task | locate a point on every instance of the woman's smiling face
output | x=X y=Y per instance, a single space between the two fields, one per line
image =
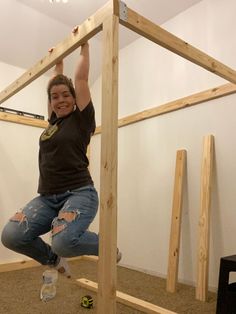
x=62 y=101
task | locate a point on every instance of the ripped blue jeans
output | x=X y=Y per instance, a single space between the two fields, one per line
x=67 y=215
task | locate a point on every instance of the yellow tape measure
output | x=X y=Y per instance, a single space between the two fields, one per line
x=87 y=301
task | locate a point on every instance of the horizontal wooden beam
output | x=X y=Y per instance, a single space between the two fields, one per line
x=10 y=117
x=126 y=299
x=158 y=35
x=195 y=99
x=18 y=265
x=88 y=29
x=90 y=258
x=5 y=267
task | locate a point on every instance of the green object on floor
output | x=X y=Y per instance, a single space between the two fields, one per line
x=87 y=301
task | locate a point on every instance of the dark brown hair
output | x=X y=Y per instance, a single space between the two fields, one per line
x=60 y=79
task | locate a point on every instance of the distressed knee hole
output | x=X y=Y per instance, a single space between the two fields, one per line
x=19 y=216
x=57 y=229
x=68 y=216
x=60 y=222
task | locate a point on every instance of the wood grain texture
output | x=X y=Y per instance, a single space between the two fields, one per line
x=204 y=220
x=10 y=117
x=185 y=102
x=126 y=299
x=108 y=174
x=174 y=246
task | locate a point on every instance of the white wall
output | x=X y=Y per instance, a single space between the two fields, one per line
x=150 y=76
x=19 y=150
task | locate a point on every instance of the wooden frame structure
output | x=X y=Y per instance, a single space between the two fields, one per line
x=107 y=20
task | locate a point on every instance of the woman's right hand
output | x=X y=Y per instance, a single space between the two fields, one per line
x=59 y=65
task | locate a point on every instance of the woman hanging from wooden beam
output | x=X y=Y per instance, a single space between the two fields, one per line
x=67 y=201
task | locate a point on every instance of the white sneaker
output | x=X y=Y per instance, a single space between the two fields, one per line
x=63 y=267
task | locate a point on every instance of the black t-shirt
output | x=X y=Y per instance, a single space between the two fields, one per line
x=63 y=164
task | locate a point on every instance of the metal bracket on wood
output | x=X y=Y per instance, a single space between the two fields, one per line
x=22 y=113
x=123 y=11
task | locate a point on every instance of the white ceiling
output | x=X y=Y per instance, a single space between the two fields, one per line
x=30 y=27
x=75 y=11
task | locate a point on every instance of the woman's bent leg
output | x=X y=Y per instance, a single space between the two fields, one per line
x=21 y=233
x=70 y=236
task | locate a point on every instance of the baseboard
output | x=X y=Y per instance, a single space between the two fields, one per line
x=160 y=275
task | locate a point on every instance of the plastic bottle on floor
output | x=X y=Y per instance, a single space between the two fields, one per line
x=49 y=288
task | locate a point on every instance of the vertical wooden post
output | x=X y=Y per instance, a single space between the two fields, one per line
x=174 y=245
x=108 y=179
x=204 y=221
x=116 y=7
